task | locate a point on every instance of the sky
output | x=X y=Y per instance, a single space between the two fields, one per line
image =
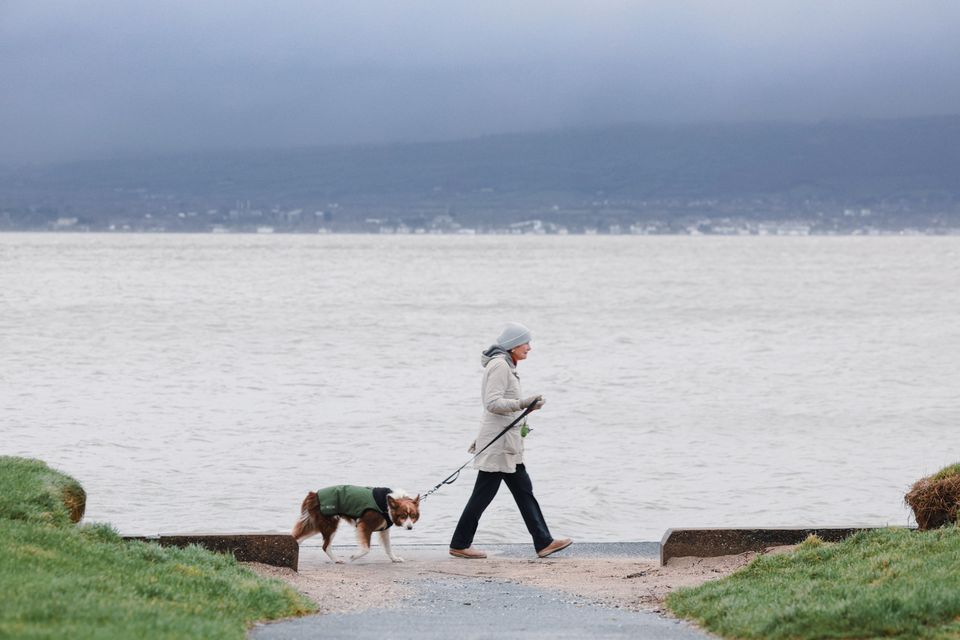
x=105 y=78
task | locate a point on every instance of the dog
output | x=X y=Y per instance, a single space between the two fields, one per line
x=369 y=509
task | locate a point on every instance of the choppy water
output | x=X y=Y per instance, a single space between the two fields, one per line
x=207 y=382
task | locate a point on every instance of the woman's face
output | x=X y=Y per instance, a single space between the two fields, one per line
x=520 y=353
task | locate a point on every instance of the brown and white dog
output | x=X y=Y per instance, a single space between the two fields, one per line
x=369 y=509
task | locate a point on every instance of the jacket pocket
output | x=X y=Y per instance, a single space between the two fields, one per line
x=512 y=442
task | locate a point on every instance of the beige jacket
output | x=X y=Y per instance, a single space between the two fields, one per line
x=501 y=405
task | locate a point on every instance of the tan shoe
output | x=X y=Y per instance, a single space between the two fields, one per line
x=470 y=553
x=553 y=547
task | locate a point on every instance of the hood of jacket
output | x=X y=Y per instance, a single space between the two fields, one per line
x=496 y=352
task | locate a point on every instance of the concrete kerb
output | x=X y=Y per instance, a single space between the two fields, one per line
x=281 y=550
x=713 y=542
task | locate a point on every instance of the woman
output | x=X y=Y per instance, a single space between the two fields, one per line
x=503 y=460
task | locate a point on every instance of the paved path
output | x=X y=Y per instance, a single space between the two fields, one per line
x=468 y=608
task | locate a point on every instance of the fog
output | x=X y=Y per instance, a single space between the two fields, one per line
x=95 y=79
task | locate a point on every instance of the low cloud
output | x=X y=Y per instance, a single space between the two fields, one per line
x=102 y=78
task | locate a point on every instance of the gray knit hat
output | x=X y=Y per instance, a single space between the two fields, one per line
x=513 y=335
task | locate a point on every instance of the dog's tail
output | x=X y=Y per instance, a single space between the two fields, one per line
x=307 y=525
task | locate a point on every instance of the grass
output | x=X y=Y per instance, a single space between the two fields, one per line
x=946 y=472
x=64 y=581
x=34 y=492
x=887 y=583
x=935 y=499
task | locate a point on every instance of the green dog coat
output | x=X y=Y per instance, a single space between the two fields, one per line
x=353 y=501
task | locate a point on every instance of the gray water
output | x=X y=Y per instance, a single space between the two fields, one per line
x=206 y=383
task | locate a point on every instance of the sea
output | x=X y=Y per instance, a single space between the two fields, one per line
x=206 y=383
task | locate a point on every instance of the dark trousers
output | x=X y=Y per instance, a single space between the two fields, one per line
x=488 y=483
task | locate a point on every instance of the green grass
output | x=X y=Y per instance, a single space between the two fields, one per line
x=888 y=583
x=34 y=492
x=64 y=581
x=946 y=472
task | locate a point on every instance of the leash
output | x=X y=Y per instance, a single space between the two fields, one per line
x=450 y=479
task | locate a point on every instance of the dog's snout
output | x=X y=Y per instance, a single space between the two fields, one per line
x=409 y=526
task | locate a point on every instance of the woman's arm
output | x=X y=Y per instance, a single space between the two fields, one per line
x=497 y=383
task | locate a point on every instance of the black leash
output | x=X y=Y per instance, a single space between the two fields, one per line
x=450 y=479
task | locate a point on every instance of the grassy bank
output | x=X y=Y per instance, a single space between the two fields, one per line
x=60 y=580
x=889 y=583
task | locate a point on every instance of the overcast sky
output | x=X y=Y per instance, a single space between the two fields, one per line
x=95 y=78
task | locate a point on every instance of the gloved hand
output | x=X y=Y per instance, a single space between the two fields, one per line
x=537 y=401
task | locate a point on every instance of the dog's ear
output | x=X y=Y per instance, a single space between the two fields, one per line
x=391 y=503
x=416 y=500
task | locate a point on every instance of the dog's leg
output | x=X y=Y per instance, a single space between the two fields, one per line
x=327 y=541
x=385 y=541
x=363 y=540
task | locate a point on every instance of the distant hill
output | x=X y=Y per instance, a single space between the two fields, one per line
x=914 y=162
